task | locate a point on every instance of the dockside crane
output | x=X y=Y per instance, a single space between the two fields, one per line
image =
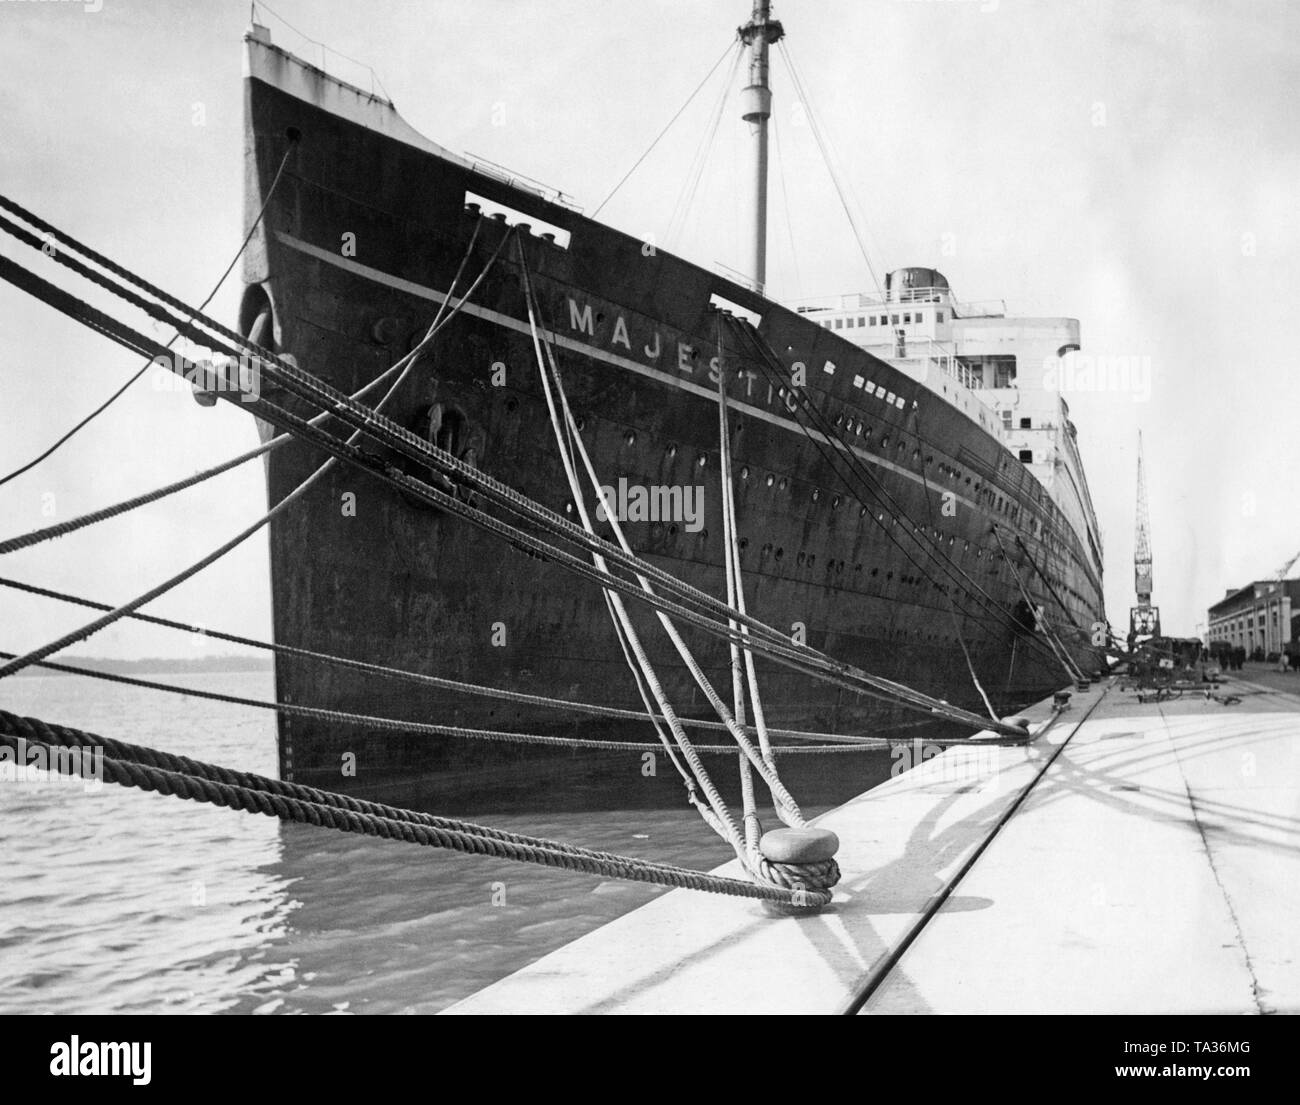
x=1143 y=619
x=1282 y=571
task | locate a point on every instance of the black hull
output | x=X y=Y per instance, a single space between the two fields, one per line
x=359 y=571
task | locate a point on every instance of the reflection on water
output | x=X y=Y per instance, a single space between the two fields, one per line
x=121 y=901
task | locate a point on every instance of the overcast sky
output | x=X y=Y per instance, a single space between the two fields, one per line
x=1133 y=164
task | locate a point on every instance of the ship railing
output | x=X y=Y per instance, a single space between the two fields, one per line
x=355 y=72
x=518 y=180
x=903 y=297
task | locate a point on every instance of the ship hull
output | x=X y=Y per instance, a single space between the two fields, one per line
x=359 y=242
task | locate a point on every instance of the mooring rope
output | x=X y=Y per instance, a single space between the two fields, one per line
x=257 y=221
x=1065 y=610
x=179 y=777
x=403 y=364
x=374 y=424
x=440 y=682
x=426 y=728
x=814 y=874
x=1075 y=675
x=956 y=575
x=36 y=655
x=714 y=809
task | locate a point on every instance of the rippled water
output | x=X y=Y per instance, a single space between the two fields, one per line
x=118 y=901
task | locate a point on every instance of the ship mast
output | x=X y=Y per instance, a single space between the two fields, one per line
x=756 y=103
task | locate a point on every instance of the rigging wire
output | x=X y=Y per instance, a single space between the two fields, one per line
x=823 y=144
x=785 y=203
x=686 y=198
x=668 y=126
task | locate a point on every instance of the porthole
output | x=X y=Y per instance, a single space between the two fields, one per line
x=701 y=461
x=744 y=473
x=781 y=486
x=672 y=451
x=779 y=553
x=771 y=479
x=629 y=438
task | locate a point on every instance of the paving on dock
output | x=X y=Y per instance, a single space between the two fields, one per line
x=1133 y=858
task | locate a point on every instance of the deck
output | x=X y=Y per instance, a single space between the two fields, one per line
x=1132 y=858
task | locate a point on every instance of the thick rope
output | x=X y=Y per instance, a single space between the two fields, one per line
x=80 y=634
x=742 y=658
x=149 y=770
x=819 y=877
x=403 y=365
x=384 y=430
x=257 y=221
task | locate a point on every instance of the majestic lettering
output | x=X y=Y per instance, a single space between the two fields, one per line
x=581 y=320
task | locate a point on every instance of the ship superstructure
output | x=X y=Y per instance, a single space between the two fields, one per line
x=1003 y=371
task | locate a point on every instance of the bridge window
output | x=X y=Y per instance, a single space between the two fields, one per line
x=1027 y=455
x=1026 y=423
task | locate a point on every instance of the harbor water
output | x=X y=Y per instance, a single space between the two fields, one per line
x=120 y=901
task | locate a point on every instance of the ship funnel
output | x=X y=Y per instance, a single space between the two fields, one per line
x=916 y=285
